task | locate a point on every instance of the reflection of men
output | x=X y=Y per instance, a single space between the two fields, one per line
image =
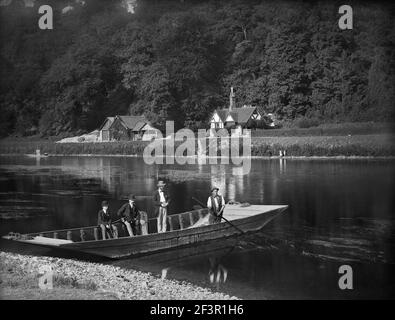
x=130 y=216
x=217 y=272
x=215 y=205
x=161 y=202
x=104 y=221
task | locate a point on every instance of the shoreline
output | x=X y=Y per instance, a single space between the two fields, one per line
x=373 y=146
x=74 y=279
x=339 y=157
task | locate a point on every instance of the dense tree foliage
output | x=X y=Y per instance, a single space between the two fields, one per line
x=177 y=59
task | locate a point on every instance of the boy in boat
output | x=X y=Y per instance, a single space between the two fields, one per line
x=161 y=203
x=104 y=221
x=216 y=206
x=130 y=216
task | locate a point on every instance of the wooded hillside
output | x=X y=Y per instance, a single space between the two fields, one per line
x=177 y=60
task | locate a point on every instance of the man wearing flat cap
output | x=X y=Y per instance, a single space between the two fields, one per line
x=161 y=203
x=104 y=221
x=215 y=205
x=130 y=216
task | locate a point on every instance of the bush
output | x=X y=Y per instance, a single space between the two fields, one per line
x=334 y=129
x=307 y=123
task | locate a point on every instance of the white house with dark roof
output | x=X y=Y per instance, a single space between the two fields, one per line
x=126 y=128
x=234 y=118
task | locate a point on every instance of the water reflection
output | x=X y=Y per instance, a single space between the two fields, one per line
x=210 y=255
x=218 y=273
x=283 y=166
x=119 y=179
x=339 y=211
x=229 y=181
x=218 y=178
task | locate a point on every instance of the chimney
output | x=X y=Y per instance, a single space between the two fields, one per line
x=231 y=99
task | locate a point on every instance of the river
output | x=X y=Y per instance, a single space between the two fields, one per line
x=341 y=212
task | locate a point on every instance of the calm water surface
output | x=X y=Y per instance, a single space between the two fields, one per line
x=340 y=212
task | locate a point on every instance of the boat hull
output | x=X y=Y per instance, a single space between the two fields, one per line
x=129 y=246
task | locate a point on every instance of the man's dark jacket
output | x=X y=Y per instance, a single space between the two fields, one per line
x=130 y=214
x=156 y=198
x=103 y=217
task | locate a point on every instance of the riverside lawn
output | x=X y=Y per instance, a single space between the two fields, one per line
x=343 y=140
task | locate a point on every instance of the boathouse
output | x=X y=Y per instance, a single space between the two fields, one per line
x=126 y=128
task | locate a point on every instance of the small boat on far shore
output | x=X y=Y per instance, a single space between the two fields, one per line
x=33 y=155
x=184 y=229
x=38 y=154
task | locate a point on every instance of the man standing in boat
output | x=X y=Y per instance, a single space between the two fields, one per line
x=161 y=203
x=216 y=206
x=130 y=216
x=104 y=221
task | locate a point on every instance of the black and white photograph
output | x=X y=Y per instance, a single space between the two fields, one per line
x=205 y=152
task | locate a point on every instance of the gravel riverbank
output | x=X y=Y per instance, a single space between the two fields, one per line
x=72 y=279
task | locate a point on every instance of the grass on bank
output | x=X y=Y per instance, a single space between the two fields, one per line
x=362 y=145
x=365 y=145
x=373 y=139
x=308 y=128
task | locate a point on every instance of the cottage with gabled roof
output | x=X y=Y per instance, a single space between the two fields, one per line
x=234 y=118
x=104 y=130
x=125 y=128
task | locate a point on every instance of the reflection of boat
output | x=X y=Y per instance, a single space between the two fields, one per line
x=176 y=256
x=248 y=219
